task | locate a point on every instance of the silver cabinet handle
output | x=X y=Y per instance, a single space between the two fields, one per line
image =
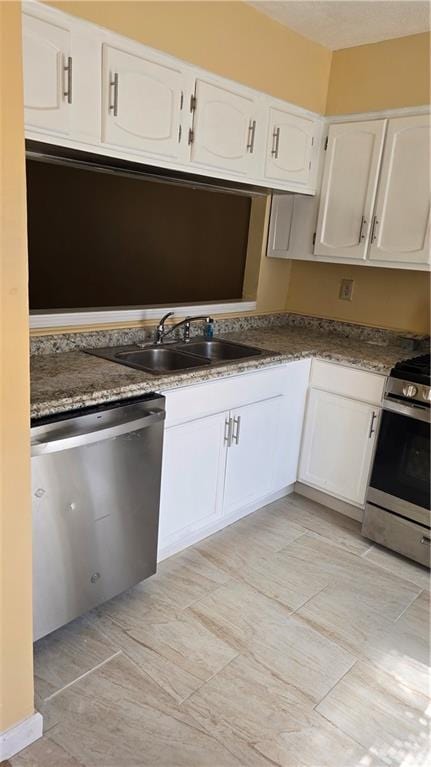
x=67 y=93
x=113 y=105
x=236 y=429
x=425 y=540
x=275 y=142
x=362 y=234
x=251 y=133
x=228 y=432
x=373 y=229
x=372 y=429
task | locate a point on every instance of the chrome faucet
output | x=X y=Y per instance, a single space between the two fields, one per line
x=161 y=333
x=160 y=330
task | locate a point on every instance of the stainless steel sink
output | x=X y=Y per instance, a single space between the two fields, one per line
x=174 y=357
x=219 y=351
x=159 y=359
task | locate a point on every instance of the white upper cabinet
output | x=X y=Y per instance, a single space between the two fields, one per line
x=224 y=129
x=143 y=102
x=280 y=226
x=289 y=151
x=292 y=226
x=48 y=75
x=402 y=214
x=92 y=87
x=349 y=186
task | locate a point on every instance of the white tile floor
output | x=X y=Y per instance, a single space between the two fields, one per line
x=285 y=639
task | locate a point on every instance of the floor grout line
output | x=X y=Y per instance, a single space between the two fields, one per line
x=209 y=679
x=348 y=735
x=310 y=598
x=364 y=553
x=209 y=594
x=409 y=605
x=334 y=685
x=82 y=676
x=388 y=570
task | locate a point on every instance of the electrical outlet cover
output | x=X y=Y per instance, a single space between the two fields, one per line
x=346 y=290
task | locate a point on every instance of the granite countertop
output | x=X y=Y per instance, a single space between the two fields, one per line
x=69 y=380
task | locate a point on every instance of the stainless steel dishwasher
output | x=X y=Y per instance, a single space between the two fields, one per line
x=95 y=492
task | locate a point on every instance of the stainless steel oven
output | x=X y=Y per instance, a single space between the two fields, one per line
x=397 y=512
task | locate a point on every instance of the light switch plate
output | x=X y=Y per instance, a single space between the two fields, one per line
x=346 y=290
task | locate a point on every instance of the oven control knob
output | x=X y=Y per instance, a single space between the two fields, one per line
x=426 y=394
x=410 y=390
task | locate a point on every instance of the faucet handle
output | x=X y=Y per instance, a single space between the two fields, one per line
x=187 y=323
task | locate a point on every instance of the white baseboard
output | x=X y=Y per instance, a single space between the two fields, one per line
x=194 y=536
x=336 y=504
x=20 y=735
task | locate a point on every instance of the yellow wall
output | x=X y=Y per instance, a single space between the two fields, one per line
x=16 y=686
x=265 y=279
x=231 y=39
x=389 y=298
x=386 y=75
x=390 y=74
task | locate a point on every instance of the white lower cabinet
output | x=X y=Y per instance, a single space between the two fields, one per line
x=337 y=445
x=250 y=466
x=218 y=466
x=215 y=466
x=233 y=445
x=194 y=455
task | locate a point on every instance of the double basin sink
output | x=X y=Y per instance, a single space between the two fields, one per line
x=175 y=357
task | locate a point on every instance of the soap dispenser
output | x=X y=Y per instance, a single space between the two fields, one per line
x=209 y=329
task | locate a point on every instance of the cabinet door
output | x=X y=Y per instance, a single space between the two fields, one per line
x=250 y=466
x=349 y=185
x=280 y=226
x=48 y=75
x=337 y=445
x=192 y=477
x=225 y=129
x=402 y=212
x=289 y=147
x=143 y=100
x=292 y=226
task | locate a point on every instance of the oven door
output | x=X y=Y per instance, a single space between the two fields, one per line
x=400 y=479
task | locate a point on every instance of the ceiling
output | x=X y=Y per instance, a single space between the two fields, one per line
x=345 y=23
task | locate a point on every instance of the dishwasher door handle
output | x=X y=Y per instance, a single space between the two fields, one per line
x=79 y=439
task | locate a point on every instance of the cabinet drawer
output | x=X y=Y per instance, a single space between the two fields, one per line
x=191 y=402
x=356 y=384
x=397 y=533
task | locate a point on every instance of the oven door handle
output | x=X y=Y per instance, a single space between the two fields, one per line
x=412 y=411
